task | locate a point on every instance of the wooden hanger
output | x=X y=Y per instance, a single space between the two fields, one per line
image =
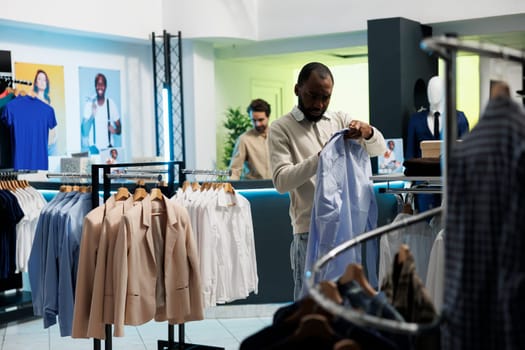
x=402 y=255
x=139 y=194
x=156 y=193
x=346 y=344
x=122 y=194
x=354 y=272
x=195 y=186
x=314 y=326
x=228 y=188
x=185 y=185
x=65 y=188
x=329 y=290
x=407 y=209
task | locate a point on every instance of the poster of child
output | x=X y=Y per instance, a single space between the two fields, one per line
x=392 y=160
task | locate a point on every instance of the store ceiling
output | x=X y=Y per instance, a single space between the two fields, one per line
x=502 y=30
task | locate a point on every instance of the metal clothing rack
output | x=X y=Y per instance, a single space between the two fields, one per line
x=447 y=47
x=357 y=317
x=17 y=305
x=425 y=184
x=9 y=80
x=207 y=172
x=170 y=344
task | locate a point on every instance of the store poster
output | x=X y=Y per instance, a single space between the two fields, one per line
x=392 y=160
x=47 y=83
x=101 y=121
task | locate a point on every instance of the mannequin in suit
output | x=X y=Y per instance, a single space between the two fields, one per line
x=421 y=124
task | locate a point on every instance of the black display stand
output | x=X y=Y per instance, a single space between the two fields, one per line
x=169 y=344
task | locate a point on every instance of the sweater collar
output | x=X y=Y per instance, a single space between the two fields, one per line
x=299 y=115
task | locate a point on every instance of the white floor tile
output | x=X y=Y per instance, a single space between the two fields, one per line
x=225 y=326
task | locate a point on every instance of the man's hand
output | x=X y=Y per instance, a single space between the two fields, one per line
x=359 y=129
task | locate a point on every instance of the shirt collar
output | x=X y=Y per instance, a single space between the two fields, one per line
x=299 y=115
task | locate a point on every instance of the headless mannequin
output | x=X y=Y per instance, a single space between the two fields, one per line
x=436 y=100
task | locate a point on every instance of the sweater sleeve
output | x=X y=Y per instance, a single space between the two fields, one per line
x=376 y=145
x=286 y=175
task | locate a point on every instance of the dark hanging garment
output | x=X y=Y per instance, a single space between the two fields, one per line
x=6 y=158
x=484 y=295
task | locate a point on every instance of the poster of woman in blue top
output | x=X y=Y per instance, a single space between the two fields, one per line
x=47 y=85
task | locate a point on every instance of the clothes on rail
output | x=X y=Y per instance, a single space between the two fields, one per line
x=10 y=214
x=435 y=280
x=405 y=290
x=306 y=324
x=148 y=266
x=21 y=206
x=53 y=260
x=6 y=156
x=223 y=227
x=344 y=206
x=484 y=304
x=29 y=121
x=419 y=237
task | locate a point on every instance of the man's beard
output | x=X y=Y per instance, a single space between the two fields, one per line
x=313 y=118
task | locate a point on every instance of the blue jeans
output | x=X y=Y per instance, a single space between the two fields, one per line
x=298 y=260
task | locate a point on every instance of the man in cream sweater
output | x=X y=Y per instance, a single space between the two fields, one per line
x=295 y=141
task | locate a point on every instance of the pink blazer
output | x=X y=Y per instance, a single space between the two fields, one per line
x=137 y=262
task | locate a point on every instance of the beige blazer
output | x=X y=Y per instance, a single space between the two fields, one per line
x=91 y=229
x=101 y=310
x=137 y=262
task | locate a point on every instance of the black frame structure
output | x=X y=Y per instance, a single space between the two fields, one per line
x=167 y=73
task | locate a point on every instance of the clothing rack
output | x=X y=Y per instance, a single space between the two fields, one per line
x=170 y=344
x=207 y=172
x=17 y=305
x=9 y=80
x=142 y=176
x=357 y=317
x=69 y=175
x=425 y=184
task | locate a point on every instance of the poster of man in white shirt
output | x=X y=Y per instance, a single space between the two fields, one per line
x=101 y=124
x=392 y=160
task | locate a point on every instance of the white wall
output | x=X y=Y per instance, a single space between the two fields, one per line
x=132 y=60
x=212 y=18
x=199 y=104
x=124 y=18
x=497 y=69
x=233 y=85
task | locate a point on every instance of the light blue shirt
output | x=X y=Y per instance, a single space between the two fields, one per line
x=52 y=247
x=37 y=257
x=344 y=207
x=68 y=266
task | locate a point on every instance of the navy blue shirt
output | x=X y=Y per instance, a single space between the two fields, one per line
x=10 y=215
x=29 y=121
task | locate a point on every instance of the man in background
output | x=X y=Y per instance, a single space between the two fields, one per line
x=252 y=147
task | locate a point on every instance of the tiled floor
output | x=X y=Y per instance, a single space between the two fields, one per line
x=223 y=326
